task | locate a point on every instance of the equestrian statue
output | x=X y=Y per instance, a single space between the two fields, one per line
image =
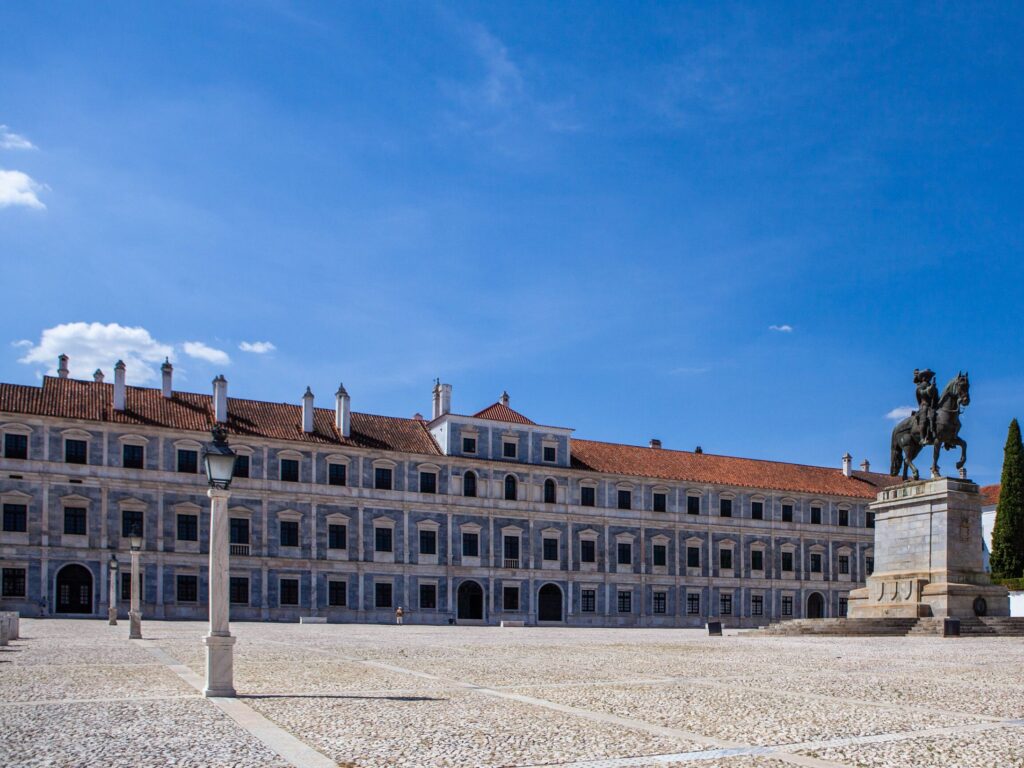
x=936 y=422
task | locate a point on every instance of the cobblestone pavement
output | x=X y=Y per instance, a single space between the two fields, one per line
x=79 y=693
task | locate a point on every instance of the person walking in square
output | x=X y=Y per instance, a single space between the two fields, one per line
x=398 y=615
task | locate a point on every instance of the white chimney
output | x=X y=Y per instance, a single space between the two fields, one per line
x=307 y=411
x=98 y=376
x=62 y=366
x=504 y=398
x=220 y=399
x=446 y=398
x=119 y=386
x=342 y=411
x=166 y=370
x=865 y=466
x=436 y=410
x=847 y=461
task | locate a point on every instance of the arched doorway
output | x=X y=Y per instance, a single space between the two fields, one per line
x=549 y=603
x=470 y=601
x=815 y=606
x=74 y=589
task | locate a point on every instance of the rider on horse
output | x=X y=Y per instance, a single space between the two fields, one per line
x=927 y=402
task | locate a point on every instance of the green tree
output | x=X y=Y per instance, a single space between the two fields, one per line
x=1008 y=535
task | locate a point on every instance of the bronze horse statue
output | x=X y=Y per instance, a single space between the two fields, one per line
x=908 y=439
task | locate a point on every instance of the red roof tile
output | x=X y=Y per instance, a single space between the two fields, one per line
x=501 y=412
x=990 y=494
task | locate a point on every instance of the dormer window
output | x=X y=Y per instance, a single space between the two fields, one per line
x=550 y=453
x=469 y=445
x=509 y=449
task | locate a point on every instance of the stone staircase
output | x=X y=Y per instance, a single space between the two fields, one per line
x=980 y=626
x=983 y=626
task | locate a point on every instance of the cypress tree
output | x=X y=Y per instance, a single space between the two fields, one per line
x=1007 y=558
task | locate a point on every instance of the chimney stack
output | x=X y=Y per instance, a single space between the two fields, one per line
x=342 y=411
x=98 y=376
x=504 y=398
x=446 y=399
x=435 y=411
x=220 y=399
x=62 y=366
x=119 y=386
x=442 y=401
x=166 y=369
x=307 y=411
x=655 y=443
x=865 y=466
x=847 y=462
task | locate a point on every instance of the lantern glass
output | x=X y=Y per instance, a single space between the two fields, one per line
x=219 y=460
x=136 y=540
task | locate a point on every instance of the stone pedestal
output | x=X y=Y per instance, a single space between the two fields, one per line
x=220 y=673
x=928 y=555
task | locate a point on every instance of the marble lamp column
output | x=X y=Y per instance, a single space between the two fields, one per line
x=134 y=614
x=219 y=642
x=112 y=608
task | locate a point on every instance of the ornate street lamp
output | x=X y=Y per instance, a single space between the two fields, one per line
x=134 y=614
x=220 y=468
x=113 y=565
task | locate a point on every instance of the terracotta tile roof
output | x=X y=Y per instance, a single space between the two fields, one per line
x=501 y=412
x=74 y=399
x=990 y=494
x=723 y=470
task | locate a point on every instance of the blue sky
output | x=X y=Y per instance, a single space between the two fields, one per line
x=609 y=210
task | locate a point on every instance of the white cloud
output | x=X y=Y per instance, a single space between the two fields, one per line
x=9 y=140
x=781 y=328
x=94 y=345
x=502 y=80
x=17 y=188
x=201 y=351
x=900 y=413
x=257 y=347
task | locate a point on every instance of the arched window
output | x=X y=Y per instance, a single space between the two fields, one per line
x=549 y=491
x=510 y=488
x=469 y=484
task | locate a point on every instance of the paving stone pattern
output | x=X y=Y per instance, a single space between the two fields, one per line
x=79 y=693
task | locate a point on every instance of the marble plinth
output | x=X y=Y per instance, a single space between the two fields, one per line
x=220 y=672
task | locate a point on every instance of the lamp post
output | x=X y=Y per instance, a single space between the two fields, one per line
x=134 y=615
x=112 y=608
x=220 y=468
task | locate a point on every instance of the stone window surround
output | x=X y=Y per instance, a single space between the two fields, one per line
x=732 y=497
x=758 y=546
x=792 y=549
x=17 y=497
x=428 y=525
x=551 y=533
x=729 y=545
x=625 y=485
x=297 y=578
x=512 y=584
x=817 y=549
x=188 y=570
x=663 y=489
x=506 y=438
x=541 y=487
x=625 y=538
x=474 y=434
x=187 y=444
x=589 y=534
x=432 y=469
x=762 y=594
x=390 y=580
x=844 y=551
x=140 y=441
x=694 y=493
x=520 y=486
x=248 y=585
x=694 y=541
x=383 y=522
x=23 y=565
x=131 y=505
x=383 y=464
x=75 y=434
x=339 y=459
x=589 y=483
x=333 y=579
x=548 y=441
x=290 y=515
x=765 y=508
x=337 y=518
x=71 y=539
x=844 y=507
x=428 y=581
x=186 y=508
x=471 y=528
x=823 y=506
x=664 y=541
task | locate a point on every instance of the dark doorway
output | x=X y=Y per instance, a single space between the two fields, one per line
x=74 y=590
x=471 y=601
x=549 y=603
x=815 y=606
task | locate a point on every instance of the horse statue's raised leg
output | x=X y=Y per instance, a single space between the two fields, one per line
x=963 y=451
x=937 y=447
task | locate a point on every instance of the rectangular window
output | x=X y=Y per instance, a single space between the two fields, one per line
x=289 y=470
x=625 y=601
x=75 y=451
x=508 y=450
x=239 y=590
x=844 y=564
x=588 y=600
x=787 y=561
x=133 y=456
x=428 y=597
x=238 y=530
x=844 y=517
x=815 y=515
x=660 y=602
x=471 y=545
x=550 y=454
x=869 y=565
x=337 y=593
x=428 y=482
x=588 y=496
x=757 y=605
x=844 y=604
x=188 y=461
x=625 y=553
x=625 y=499
x=187 y=588
x=289 y=533
x=510 y=598
x=242 y=466
x=787 y=513
x=337 y=474
x=787 y=605
x=188 y=527
x=659 y=554
x=660 y=502
x=382 y=478
x=725 y=605
x=337 y=536
x=756 y=560
x=126 y=586
x=870 y=519
x=550 y=549
x=725 y=507
x=383 y=540
x=15 y=446
x=469 y=445
x=428 y=542
x=815 y=562
x=588 y=551
x=757 y=510
x=131 y=522
x=74 y=521
x=289 y=591
x=693 y=505
x=693 y=604
x=693 y=557
x=382 y=595
x=13 y=582
x=511 y=548
x=725 y=559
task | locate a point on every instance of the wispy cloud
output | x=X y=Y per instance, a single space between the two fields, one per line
x=201 y=351
x=900 y=413
x=94 y=345
x=11 y=140
x=257 y=347
x=17 y=188
x=781 y=328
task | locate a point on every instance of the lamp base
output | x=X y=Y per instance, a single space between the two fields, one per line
x=220 y=670
x=134 y=625
x=112 y=616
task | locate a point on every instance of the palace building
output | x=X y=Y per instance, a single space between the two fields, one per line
x=476 y=518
